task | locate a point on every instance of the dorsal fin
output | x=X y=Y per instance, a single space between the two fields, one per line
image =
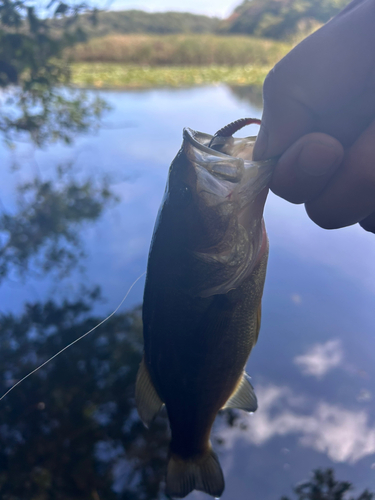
x=243 y=398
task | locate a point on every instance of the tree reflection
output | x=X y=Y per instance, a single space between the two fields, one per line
x=47 y=114
x=249 y=94
x=71 y=430
x=43 y=233
x=32 y=69
x=324 y=486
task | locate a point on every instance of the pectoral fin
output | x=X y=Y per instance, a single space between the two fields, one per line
x=244 y=397
x=146 y=398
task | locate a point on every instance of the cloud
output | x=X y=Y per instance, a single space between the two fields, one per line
x=321 y=358
x=364 y=396
x=296 y=298
x=343 y=435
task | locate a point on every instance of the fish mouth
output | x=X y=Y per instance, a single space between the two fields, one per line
x=230 y=171
x=229 y=146
x=229 y=181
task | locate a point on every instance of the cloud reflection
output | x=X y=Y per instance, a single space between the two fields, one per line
x=343 y=435
x=321 y=358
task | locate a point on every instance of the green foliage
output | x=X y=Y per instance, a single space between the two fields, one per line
x=104 y=75
x=262 y=18
x=43 y=234
x=137 y=21
x=324 y=486
x=28 y=49
x=281 y=18
x=31 y=58
x=180 y=50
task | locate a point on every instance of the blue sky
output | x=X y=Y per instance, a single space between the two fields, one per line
x=221 y=8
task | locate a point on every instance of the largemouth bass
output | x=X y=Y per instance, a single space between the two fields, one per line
x=202 y=298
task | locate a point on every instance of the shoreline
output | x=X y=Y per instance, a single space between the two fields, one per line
x=132 y=77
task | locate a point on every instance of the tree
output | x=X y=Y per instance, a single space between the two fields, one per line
x=29 y=52
x=137 y=21
x=324 y=486
x=31 y=58
x=281 y=18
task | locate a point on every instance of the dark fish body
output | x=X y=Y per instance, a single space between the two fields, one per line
x=202 y=300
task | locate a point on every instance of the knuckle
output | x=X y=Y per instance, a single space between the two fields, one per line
x=326 y=217
x=288 y=193
x=322 y=220
x=270 y=84
x=368 y=224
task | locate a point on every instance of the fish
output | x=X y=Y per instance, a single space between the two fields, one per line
x=202 y=298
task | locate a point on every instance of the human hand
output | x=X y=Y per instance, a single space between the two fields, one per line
x=319 y=115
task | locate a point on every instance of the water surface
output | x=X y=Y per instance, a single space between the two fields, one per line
x=313 y=368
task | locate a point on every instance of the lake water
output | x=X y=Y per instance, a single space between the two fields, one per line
x=313 y=367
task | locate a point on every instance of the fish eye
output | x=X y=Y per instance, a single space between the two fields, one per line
x=184 y=195
x=181 y=195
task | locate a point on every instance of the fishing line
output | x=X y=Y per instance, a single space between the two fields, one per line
x=74 y=341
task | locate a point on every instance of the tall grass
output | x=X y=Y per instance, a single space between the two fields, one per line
x=111 y=75
x=180 y=50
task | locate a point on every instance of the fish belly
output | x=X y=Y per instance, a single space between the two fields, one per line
x=197 y=366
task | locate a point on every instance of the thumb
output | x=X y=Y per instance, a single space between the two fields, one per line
x=283 y=122
x=320 y=76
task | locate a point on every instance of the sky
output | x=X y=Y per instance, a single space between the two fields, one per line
x=220 y=8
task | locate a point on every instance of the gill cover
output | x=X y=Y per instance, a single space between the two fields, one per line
x=228 y=181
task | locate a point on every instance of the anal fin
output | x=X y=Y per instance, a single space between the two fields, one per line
x=243 y=398
x=146 y=398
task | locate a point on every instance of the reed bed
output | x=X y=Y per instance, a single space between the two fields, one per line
x=180 y=50
x=107 y=75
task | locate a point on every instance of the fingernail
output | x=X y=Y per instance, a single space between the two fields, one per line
x=261 y=144
x=317 y=158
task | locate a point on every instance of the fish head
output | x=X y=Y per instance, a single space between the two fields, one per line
x=215 y=197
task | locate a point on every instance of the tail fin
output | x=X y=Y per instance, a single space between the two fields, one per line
x=202 y=473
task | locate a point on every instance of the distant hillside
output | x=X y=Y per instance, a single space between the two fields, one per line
x=281 y=18
x=277 y=19
x=137 y=21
